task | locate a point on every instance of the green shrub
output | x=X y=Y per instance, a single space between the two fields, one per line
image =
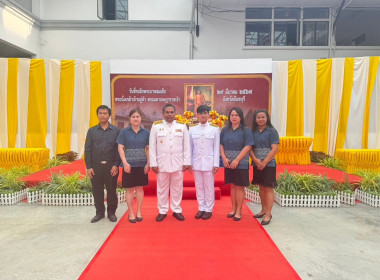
x=370 y=182
x=68 y=184
x=55 y=162
x=316 y=157
x=307 y=184
x=332 y=163
x=10 y=180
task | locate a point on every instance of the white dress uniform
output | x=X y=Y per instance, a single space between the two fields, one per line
x=204 y=145
x=169 y=150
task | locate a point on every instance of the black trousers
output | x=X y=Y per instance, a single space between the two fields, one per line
x=103 y=178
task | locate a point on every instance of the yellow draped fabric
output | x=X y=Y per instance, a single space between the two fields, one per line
x=37 y=116
x=294 y=119
x=373 y=66
x=66 y=101
x=96 y=90
x=35 y=158
x=12 y=113
x=345 y=104
x=322 y=105
x=294 y=150
x=359 y=159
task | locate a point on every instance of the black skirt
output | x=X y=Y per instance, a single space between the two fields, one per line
x=238 y=177
x=136 y=178
x=265 y=177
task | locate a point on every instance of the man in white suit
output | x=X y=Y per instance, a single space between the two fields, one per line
x=169 y=156
x=204 y=146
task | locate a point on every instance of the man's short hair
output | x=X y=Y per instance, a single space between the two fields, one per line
x=203 y=108
x=103 y=107
x=166 y=106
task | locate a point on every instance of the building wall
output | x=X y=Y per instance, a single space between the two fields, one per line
x=109 y=44
x=19 y=29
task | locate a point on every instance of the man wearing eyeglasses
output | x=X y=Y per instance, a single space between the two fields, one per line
x=204 y=147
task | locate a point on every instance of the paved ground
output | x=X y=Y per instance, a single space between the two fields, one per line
x=47 y=242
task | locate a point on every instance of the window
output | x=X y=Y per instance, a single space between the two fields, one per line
x=113 y=9
x=258 y=34
x=284 y=26
x=315 y=33
x=358 y=27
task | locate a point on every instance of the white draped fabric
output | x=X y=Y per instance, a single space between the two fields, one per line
x=374 y=120
x=279 y=96
x=337 y=77
x=357 y=105
x=309 y=67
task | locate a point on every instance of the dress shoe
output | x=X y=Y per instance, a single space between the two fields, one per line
x=231 y=215
x=139 y=219
x=112 y=217
x=179 y=216
x=257 y=216
x=199 y=214
x=133 y=221
x=266 y=222
x=236 y=219
x=160 y=217
x=97 y=218
x=207 y=215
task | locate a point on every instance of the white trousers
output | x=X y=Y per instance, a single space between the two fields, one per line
x=204 y=185
x=169 y=181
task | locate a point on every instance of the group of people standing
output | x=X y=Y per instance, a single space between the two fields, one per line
x=170 y=149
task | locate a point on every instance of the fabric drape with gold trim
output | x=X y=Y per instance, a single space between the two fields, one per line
x=294 y=150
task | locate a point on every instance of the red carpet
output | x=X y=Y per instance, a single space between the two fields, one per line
x=218 y=248
x=189 y=190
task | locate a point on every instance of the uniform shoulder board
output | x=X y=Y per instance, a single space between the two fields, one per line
x=158 y=122
x=215 y=125
x=193 y=124
x=181 y=122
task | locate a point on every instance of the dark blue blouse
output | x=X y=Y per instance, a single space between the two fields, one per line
x=233 y=141
x=134 y=144
x=263 y=144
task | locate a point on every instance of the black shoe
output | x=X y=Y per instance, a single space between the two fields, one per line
x=207 y=215
x=112 y=217
x=160 y=217
x=139 y=219
x=266 y=222
x=179 y=216
x=97 y=218
x=257 y=216
x=199 y=214
x=236 y=219
x=231 y=215
x=133 y=221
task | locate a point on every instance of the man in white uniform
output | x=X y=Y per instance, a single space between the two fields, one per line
x=169 y=156
x=204 y=145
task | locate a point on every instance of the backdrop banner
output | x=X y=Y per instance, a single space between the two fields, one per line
x=249 y=89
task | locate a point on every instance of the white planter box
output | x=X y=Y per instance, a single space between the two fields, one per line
x=347 y=198
x=34 y=197
x=307 y=200
x=13 y=198
x=121 y=196
x=252 y=195
x=370 y=199
x=68 y=199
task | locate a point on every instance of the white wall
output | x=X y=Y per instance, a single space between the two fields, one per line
x=19 y=29
x=68 y=9
x=138 y=9
x=107 y=44
x=160 y=9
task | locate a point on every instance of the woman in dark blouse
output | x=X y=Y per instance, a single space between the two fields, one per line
x=266 y=141
x=133 y=144
x=235 y=143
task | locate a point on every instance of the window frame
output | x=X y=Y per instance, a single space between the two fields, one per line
x=300 y=23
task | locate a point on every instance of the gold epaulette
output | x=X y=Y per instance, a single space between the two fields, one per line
x=158 y=122
x=213 y=124
x=193 y=124
x=181 y=122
